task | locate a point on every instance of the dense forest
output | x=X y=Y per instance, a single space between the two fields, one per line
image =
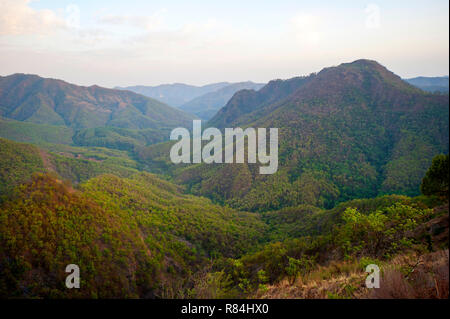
x=352 y=131
x=363 y=179
x=141 y=236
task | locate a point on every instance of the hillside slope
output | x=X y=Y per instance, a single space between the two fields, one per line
x=47 y=101
x=245 y=102
x=132 y=234
x=352 y=131
x=19 y=161
x=205 y=106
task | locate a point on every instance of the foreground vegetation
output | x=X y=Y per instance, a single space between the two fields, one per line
x=136 y=235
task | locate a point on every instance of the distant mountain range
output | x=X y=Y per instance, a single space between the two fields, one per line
x=202 y=101
x=175 y=94
x=95 y=116
x=47 y=101
x=430 y=84
x=205 y=101
x=207 y=105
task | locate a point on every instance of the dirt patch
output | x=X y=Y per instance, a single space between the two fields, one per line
x=48 y=164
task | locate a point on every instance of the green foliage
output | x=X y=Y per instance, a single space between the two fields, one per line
x=17 y=164
x=380 y=233
x=292 y=222
x=371 y=230
x=365 y=261
x=35 y=133
x=132 y=219
x=46 y=226
x=437 y=177
x=298 y=267
x=19 y=161
x=410 y=159
x=131 y=237
x=119 y=138
x=352 y=131
x=47 y=101
x=99 y=154
x=80 y=170
x=212 y=229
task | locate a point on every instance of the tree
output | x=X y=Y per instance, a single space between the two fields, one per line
x=298 y=267
x=436 y=178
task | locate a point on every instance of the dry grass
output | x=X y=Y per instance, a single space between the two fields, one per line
x=406 y=276
x=425 y=278
x=337 y=280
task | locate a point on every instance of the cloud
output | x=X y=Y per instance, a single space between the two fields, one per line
x=148 y=23
x=18 y=18
x=306 y=28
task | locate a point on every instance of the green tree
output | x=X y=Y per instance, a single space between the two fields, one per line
x=436 y=178
x=298 y=267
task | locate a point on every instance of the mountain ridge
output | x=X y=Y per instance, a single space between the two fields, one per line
x=32 y=98
x=175 y=94
x=207 y=105
x=355 y=130
x=430 y=84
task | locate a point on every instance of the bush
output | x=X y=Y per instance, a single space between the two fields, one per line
x=436 y=178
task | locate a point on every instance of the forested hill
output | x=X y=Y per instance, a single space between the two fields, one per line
x=352 y=131
x=132 y=233
x=330 y=88
x=246 y=101
x=39 y=100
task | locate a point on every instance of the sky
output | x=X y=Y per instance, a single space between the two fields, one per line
x=134 y=42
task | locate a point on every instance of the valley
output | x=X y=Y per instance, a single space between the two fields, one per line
x=86 y=178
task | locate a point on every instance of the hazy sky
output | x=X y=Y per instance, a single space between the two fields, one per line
x=133 y=42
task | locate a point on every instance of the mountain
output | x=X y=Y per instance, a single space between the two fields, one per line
x=175 y=94
x=430 y=84
x=39 y=100
x=133 y=235
x=356 y=130
x=205 y=106
x=247 y=101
